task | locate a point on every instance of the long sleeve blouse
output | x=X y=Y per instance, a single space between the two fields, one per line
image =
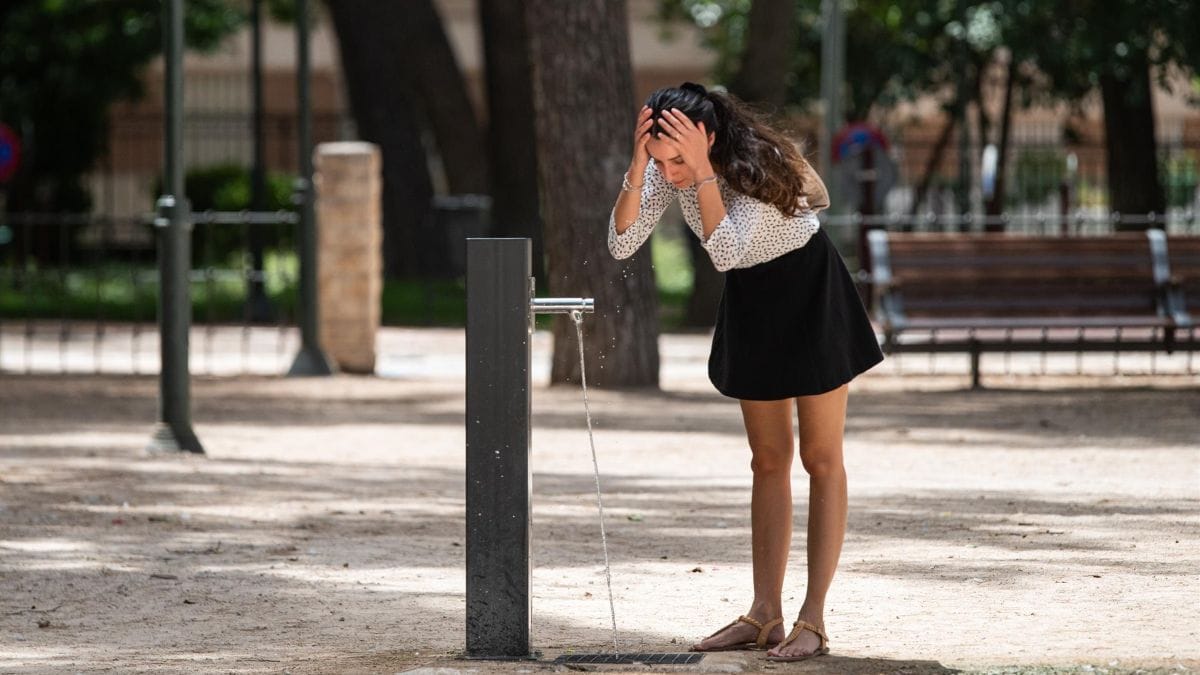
x=751 y=232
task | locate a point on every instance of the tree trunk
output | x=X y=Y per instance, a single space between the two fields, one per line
x=382 y=104
x=766 y=64
x=962 y=189
x=983 y=121
x=935 y=160
x=510 y=134
x=583 y=97
x=1133 y=183
x=423 y=53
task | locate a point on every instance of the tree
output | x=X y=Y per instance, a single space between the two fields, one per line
x=381 y=101
x=897 y=50
x=765 y=68
x=510 y=133
x=403 y=79
x=1062 y=50
x=1121 y=48
x=422 y=53
x=583 y=98
x=63 y=63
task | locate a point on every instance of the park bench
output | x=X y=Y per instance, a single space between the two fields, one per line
x=956 y=292
x=1183 y=255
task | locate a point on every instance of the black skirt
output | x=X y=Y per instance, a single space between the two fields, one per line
x=792 y=326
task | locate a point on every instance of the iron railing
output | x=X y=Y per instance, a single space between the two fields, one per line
x=92 y=308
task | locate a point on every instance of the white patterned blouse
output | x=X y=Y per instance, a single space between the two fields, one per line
x=751 y=232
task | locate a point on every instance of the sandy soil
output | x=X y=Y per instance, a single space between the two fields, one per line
x=1043 y=525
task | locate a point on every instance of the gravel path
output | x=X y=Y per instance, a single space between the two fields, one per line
x=1045 y=525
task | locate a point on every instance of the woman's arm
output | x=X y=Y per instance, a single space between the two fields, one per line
x=693 y=143
x=637 y=211
x=644 y=196
x=712 y=207
x=629 y=203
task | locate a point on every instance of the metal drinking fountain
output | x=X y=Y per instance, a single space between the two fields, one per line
x=500 y=320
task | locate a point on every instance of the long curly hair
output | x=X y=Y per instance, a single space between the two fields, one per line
x=747 y=152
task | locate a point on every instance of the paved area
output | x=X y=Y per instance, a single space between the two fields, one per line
x=1046 y=524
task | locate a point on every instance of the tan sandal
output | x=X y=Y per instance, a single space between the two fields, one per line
x=799 y=627
x=760 y=643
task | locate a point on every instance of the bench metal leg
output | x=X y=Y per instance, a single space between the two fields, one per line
x=975 y=350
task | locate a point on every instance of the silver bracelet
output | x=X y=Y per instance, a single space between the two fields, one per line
x=710 y=179
x=626 y=186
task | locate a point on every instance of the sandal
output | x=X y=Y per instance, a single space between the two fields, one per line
x=797 y=628
x=759 y=644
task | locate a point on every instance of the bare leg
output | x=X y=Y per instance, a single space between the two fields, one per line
x=769 y=431
x=822 y=421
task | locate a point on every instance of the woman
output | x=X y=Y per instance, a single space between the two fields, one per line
x=790 y=330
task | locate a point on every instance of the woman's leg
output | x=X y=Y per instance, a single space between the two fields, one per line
x=769 y=431
x=822 y=421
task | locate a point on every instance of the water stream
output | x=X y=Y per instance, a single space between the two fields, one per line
x=578 y=317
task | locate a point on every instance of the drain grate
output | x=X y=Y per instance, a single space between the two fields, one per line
x=658 y=659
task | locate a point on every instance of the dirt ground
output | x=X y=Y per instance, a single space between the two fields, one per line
x=1042 y=525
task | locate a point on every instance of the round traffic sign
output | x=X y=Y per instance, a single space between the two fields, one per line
x=10 y=153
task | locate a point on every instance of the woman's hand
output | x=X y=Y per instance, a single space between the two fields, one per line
x=641 y=157
x=689 y=139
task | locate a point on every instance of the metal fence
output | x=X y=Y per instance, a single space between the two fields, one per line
x=68 y=308
x=123 y=183
x=78 y=291
x=1045 y=172
x=92 y=309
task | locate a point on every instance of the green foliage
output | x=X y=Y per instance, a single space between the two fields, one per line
x=1039 y=173
x=119 y=292
x=671 y=261
x=1076 y=42
x=723 y=23
x=63 y=63
x=895 y=49
x=1181 y=174
x=899 y=49
x=673 y=273
x=226 y=187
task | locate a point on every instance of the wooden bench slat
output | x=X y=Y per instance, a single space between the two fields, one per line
x=1048 y=276
x=1029 y=322
x=1183 y=252
x=1056 y=287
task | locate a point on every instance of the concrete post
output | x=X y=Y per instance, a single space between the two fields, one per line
x=348 y=187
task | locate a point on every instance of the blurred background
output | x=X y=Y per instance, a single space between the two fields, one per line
x=1060 y=117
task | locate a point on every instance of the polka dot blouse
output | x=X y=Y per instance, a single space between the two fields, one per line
x=751 y=232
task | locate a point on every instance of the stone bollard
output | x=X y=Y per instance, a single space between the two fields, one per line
x=348 y=183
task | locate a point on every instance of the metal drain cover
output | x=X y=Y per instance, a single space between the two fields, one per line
x=658 y=659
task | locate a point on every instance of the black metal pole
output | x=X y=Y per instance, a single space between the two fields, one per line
x=258 y=307
x=311 y=359
x=174 y=431
x=498 y=441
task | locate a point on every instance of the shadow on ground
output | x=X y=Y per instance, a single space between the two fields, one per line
x=260 y=564
x=1034 y=419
